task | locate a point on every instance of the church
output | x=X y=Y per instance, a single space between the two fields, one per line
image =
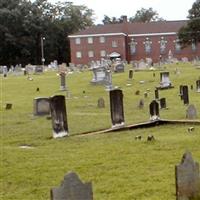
x=131 y=42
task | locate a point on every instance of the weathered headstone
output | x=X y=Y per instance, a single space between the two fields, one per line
x=191 y=87
x=198 y=85
x=156 y=94
x=8 y=106
x=62 y=81
x=108 y=80
x=137 y=92
x=72 y=188
x=59 y=116
x=99 y=75
x=116 y=107
x=130 y=75
x=164 y=80
x=41 y=106
x=187 y=178
x=154 y=110
x=185 y=95
x=141 y=104
x=181 y=91
x=163 y=104
x=101 y=103
x=38 y=69
x=145 y=94
x=191 y=112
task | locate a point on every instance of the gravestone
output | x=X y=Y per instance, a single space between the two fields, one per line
x=101 y=103
x=154 y=110
x=187 y=178
x=137 y=92
x=18 y=70
x=59 y=116
x=198 y=85
x=141 y=65
x=164 y=80
x=72 y=188
x=118 y=66
x=156 y=94
x=41 y=106
x=191 y=112
x=8 y=106
x=38 y=69
x=99 y=75
x=185 y=95
x=108 y=80
x=5 y=71
x=62 y=81
x=116 y=107
x=191 y=87
x=163 y=104
x=181 y=91
x=141 y=104
x=145 y=94
x=130 y=75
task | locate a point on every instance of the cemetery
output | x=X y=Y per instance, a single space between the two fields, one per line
x=129 y=135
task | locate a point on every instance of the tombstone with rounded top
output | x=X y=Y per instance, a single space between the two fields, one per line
x=191 y=112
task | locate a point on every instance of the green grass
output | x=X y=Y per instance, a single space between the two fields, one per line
x=118 y=166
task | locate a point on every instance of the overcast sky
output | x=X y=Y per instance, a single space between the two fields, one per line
x=167 y=9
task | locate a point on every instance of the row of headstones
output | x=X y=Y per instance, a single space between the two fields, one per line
x=187 y=179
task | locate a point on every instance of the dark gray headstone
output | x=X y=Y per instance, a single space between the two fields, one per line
x=163 y=103
x=154 y=110
x=198 y=85
x=191 y=112
x=116 y=107
x=72 y=188
x=191 y=87
x=141 y=104
x=145 y=94
x=8 y=106
x=62 y=81
x=185 y=95
x=156 y=94
x=137 y=92
x=119 y=67
x=38 y=69
x=59 y=116
x=187 y=179
x=41 y=106
x=130 y=75
x=101 y=103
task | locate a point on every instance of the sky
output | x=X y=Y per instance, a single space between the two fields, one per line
x=167 y=9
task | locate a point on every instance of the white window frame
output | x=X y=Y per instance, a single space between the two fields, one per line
x=102 y=39
x=103 y=53
x=78 y=41
x=114 y=44
x=78 y=54
x=90 y=54
x=90 y=40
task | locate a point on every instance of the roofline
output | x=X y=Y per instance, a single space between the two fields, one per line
x=151 y=34
x=96 y=35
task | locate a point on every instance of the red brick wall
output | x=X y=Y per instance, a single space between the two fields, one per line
x=124 y=50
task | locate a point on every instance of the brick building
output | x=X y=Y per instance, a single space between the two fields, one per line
x=133 y=41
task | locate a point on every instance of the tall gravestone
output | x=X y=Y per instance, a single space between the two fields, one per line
x=59 y=116
x=198 y=85
x=187 y=178
x=62 y=81
x=164 y=80
x=185 y=95
x=72 y=188
x=181 y=91
x=154 y=110
x=156 y=94
x=130 y=75
x=108 y=80
x=116 y=107
x=163 y=104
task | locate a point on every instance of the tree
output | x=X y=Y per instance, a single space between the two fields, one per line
x=145 y=15
x=190 y=33
x=112 y=20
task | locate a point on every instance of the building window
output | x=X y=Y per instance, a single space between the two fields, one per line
x=90 y=54
x=78 y=40
x=133 y=44
x=78 y=54
x=177 y=45
x=90 y=40
x=102 y=39
x=147 y=45
x=163 y=43
x=114 y=44
x=103 y=53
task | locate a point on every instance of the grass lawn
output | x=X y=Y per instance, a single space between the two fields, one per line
x=118 y=166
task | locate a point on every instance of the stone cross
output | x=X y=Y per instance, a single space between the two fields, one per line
x=72 y=188
x=59 y=116
x=191 y=112
x=185 y=95
x=62 y=81
x=116 y=107
x=187 y=178
x=154 y=110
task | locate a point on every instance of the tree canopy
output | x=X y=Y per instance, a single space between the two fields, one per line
x=24 y=23
x=191 y=32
